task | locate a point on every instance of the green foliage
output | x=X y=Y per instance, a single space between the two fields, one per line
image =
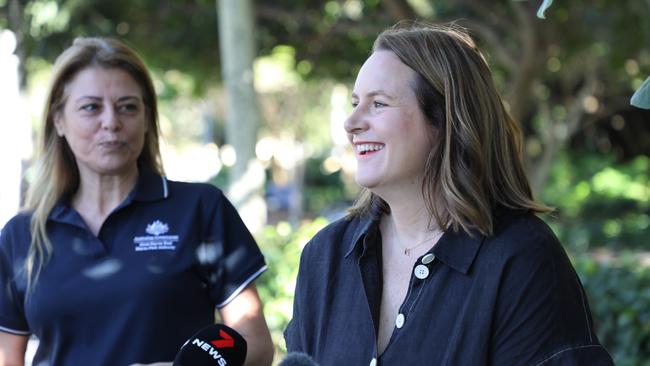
x=322 y=189
x=600 y=203
x=282 y=245
x=619 y=295
x=603 y=215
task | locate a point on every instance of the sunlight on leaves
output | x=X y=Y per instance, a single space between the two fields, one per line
x=614 y=183
x=47 y=17
x=277 y=71
x=423 y=8
x=353 y=9
x=612 y=228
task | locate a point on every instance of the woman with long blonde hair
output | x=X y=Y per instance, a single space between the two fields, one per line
x=111 y=263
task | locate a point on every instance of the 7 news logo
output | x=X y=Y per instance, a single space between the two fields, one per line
x=213 y=346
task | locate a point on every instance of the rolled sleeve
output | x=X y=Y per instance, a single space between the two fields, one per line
x=589 y=355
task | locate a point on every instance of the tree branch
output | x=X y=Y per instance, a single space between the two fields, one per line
x=399 y=9
x=279 y=15
x=576 y=110
x=555 y=136
x=481 y=10
x=532 y=57
x=495 y=42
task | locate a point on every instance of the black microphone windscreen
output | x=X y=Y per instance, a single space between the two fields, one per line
x=215 y=344
x=297 y=359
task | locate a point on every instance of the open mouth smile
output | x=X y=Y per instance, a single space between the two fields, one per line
x=366 y=149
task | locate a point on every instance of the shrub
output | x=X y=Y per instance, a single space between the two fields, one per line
x=618 y=289
x=282 y=245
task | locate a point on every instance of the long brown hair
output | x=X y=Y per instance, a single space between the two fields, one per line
x=56 y=172
x=476 y=166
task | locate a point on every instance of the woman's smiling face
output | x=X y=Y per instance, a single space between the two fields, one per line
x=390 y=134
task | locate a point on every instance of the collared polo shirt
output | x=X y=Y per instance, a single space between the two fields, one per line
x=509 y=299
x=161 y=263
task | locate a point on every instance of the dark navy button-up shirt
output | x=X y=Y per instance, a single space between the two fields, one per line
x=160 y=264
x=509 y=299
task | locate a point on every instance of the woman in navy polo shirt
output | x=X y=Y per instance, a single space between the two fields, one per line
x=442 y=260
x=111 y=263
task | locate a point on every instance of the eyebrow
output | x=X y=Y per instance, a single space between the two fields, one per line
x=374 y=93
x=120 y=99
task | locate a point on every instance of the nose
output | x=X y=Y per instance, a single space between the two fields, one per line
x=110 y=119
x=356 y=122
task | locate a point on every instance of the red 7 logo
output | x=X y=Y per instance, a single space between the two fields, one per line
x=225 y=342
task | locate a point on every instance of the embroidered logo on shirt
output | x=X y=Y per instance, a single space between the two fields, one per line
x=155 y=240
x=157 y=227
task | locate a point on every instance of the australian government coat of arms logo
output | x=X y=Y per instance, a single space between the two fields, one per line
x=157 y=238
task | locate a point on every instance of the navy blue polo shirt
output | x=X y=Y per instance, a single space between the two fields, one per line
x=161 y=263
x=509 y=299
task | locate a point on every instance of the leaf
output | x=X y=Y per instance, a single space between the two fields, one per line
x=542 y=8
x=641 y=98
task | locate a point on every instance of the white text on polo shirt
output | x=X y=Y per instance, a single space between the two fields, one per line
x=155 y=241
x=213 y=352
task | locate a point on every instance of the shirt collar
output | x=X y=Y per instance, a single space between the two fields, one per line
x=150 y=186
x=61 y=212
x=366 y=224
x=458 y=249
x=455 y=249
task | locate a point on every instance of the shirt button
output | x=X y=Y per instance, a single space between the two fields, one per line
x=421 y=271
x=373 y=362
x=399 y=322
x=428 y=258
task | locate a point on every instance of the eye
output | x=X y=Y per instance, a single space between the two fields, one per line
x=378 y=104
x=90 y=107
x=354 y=103
x=128 y=108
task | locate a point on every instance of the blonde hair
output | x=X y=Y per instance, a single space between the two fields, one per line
x=56 y=173
x=476 y=166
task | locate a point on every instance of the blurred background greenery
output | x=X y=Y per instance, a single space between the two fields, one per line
x=567 y=79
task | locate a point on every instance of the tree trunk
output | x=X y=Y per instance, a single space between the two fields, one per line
x=15 y=129
x=237 y=45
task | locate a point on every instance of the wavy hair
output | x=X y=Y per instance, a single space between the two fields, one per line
x=56 y=172
x=476 y=165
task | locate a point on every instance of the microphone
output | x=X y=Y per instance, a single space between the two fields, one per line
x=215 y=344
x=297 y=359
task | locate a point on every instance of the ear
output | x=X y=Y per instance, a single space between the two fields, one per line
x=58 y=124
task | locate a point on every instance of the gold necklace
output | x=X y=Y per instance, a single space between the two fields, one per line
x=407 y=251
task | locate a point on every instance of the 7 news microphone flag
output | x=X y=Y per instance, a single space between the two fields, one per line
x=215 y=344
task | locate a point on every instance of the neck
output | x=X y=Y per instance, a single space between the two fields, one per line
x=407 y=238
x=409 y=227
x=409 y=224
x=409 y=213
x=99 y=194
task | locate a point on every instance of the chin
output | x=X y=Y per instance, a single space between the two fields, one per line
x=115 y=169
x=366 y=182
